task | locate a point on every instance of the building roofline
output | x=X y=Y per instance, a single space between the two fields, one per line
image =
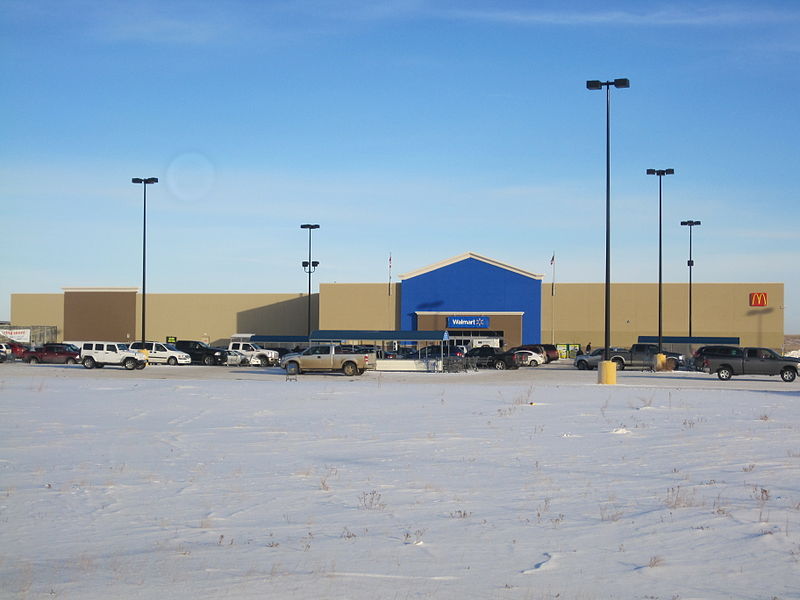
x=100 y=289
x=465 y=256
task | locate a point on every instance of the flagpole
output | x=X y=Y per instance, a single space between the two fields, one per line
x=553 y=302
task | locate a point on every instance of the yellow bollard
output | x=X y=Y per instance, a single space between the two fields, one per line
x=607 y=372
x=661 y=362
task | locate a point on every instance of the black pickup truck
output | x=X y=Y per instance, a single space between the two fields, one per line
x=730 y=361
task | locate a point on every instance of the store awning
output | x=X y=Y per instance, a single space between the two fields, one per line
x=337 y=335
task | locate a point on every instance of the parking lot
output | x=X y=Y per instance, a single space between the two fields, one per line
x=557 y=373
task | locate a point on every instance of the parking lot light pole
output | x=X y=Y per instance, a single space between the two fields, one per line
x=309 y=266
x=690 y=224
x=598 y=85
x=660 y=173
x=145 y=182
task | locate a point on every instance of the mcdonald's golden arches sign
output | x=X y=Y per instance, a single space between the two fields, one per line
x=758 y=298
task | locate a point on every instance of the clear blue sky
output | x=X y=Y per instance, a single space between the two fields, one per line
x=421 y=128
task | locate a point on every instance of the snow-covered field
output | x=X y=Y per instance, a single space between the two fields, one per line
x=538 y=484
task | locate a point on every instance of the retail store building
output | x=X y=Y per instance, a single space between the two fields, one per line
x=470 y=296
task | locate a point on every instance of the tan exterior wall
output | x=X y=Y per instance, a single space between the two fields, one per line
x=100 y=315
x=718 y=309
x=215 y=317
x=38 y=309
x=359 y=306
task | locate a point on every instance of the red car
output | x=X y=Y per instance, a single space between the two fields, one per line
x=17 y=349
x=52 y=353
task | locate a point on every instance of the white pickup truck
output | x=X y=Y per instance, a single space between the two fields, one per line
x=256 y=355
x=328 y=357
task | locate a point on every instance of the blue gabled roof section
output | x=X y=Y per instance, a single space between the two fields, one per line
x=473 y=283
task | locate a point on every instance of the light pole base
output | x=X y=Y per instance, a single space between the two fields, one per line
x=607 y=372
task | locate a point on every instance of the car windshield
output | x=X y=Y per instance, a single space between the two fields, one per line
x=171 y=347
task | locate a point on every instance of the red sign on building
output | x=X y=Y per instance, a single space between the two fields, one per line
x=758 y=299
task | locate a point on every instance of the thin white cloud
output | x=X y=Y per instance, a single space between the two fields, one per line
x=708 y=16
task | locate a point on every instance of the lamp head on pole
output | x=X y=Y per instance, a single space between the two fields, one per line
x=595 y=84
x=309 y=226
x=661 y=172
x=690 y=223
x=145 y=180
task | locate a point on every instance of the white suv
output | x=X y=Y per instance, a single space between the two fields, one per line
x=100 y=354
x=158 y=353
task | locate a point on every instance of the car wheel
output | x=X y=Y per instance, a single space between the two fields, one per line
x=724 y=373
x=33 y=360
x=88 y=362
x=582 y=366
x=129 y=363
x=788 y=375
x=208 y=360
x=264 y=361
x=349 y=369
x=141 y=364
x=499 y=365
x=619 y=363
x=292 y=368
x=71 y=361
x=172 y=361
x=672 y=364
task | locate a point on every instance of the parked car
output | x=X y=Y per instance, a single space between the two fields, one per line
x=17 y=349
x=5 y=350
x=551 y=352
x=100 y=354
x=590 y=361
x=529 y=358
x=255 y=354
x=202 y=353
x=52 y=354
x=158 y=353
x=698 y=356
x=327 y=357
x=235 y=358
x=638 y=356
x=750 y=361
x=437 y=351
x=494 y=358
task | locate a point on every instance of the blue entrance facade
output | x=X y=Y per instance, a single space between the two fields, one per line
x=473 y=284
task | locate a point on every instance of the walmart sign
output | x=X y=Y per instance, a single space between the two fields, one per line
x=467 y=322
